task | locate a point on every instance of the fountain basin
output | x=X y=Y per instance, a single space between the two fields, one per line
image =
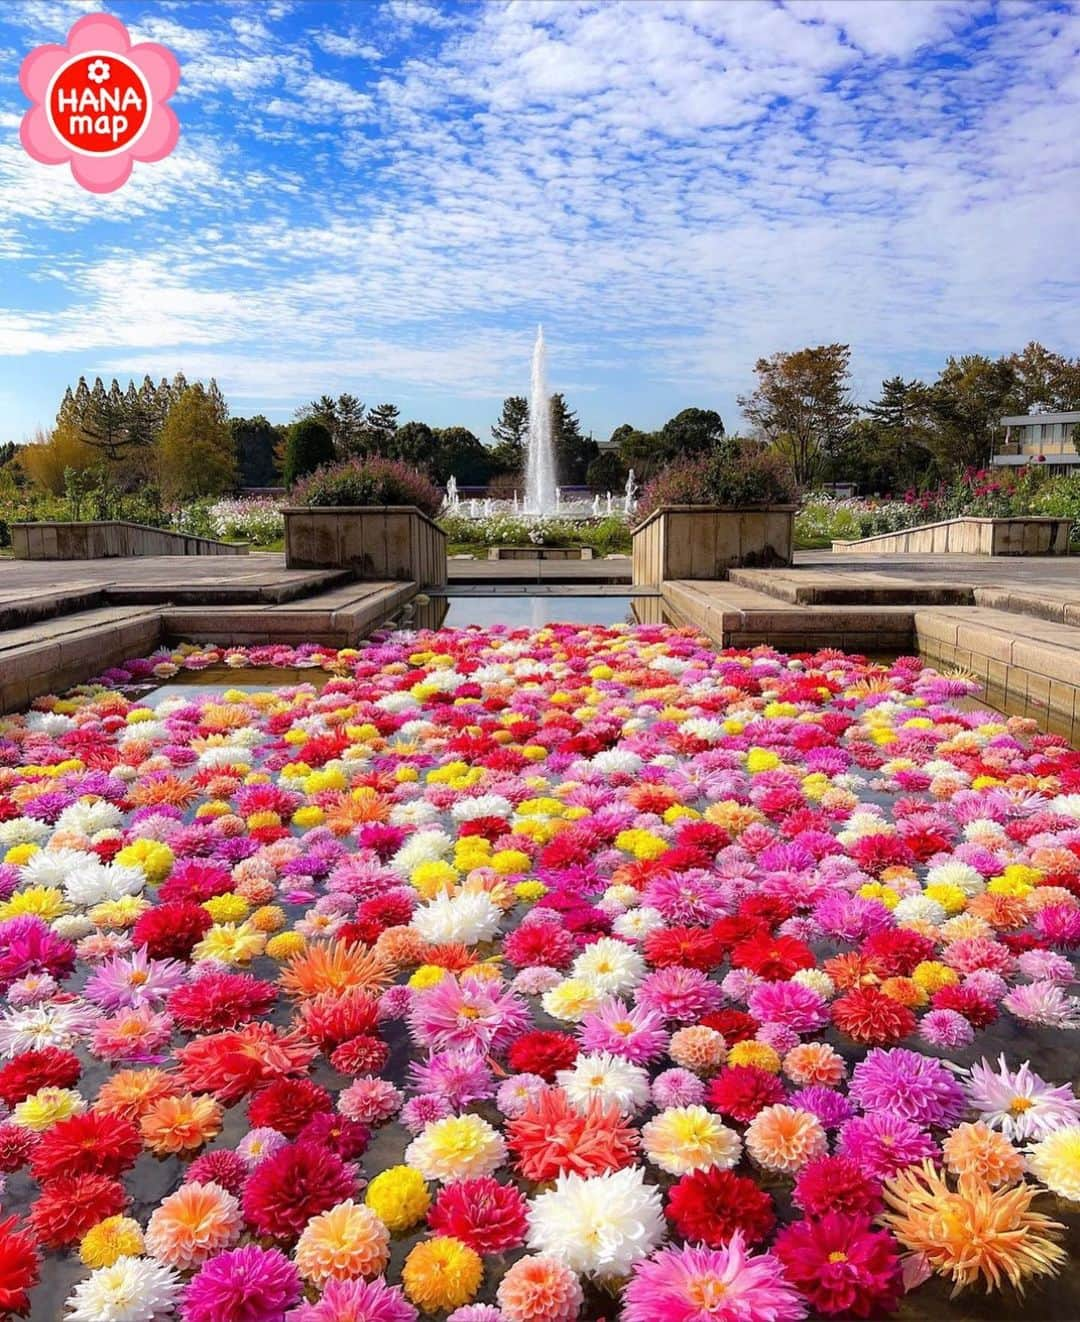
x=398 y=543
x=705 y=541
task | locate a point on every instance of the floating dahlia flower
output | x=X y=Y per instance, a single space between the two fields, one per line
x=914 y=1087
x=193 y=1223
x=883 y=1144
x=1055 y=1160
x=248 y=1284
x=470 y=1013
x=841 y=1266
x=784 y=1138
x=836 y=1184
x=690 y=1138
x=685 y=1284
x=678 y=995
x=346 y=1242
x=637 y=1034
x=291 y=1186
x=1020 y=1103
x=552 y=1136
x=136 y=1289
x=86 y=1143
x=980 y=1151
x=468 y=917
x=540 y=1289
x=457 y=1148
x=709 y=1206
x=598 y=1226
x=600 y=1075
x=488 y=1216
x=973 y=1234
x=19 y=1268
x=441 y=1273
x=357 y=1301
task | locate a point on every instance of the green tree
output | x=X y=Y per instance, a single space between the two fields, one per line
x=693 y=431
x=414 y=443
x=607 y=472
x=257 y=442
x=1042 y=377
x=308 y=446
x=509 y=434
x=573 y=452
x=460 y=453
x=642 y=451
x=802 y=405
x=962 y=410
x=197 y=453
x=379 y=427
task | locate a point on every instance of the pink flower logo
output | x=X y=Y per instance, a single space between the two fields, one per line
x=99 y=102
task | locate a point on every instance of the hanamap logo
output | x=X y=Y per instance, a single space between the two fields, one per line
x=99 y=103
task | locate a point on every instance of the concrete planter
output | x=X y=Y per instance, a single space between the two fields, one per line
x=705 y=541
x=1026 y=535
x=107 y=539
x=381 y=543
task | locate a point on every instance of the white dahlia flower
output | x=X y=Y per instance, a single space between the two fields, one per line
x=611 y=1078
x=468 y=917
x=612 y=966
x=131 y=1290
x=599 y=1226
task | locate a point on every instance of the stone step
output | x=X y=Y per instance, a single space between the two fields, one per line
x=1055 y=604
x=19 y=609
x=844 y=588
x=339 y=618
x=52 y=655
x=231 y=589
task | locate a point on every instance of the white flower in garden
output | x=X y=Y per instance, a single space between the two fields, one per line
x=23 y=831
x=131 y=1290
x=468 y=918
x=957 y=873
x=88 y=818
x=417 y=813
x=423 y=847
x=49 y=867
x=617 y=762
x=481 y=805
x=598 y=1226
x=611 y=1078
x=609 y=965
x=636 y=924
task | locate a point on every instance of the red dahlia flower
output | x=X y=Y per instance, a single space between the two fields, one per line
x=172 y=930
x=836 y=1184
x=220 y=1000
x=287 y=1105
x=840 y=1265
x=976 y=1009
x=195 y=882
x=543 y=1052
x=19 y=1268
x=741 y=1091
x=709 y=1206
x=895 y=951
x=732 y=1025
x=291 y=1186
x=51 y=1067
x=331 y=1019
x=695 y=947
x=486 y=1215
x=16 y=1147
x=68 y=1206
x=871 y=1018
x=775 y=958
x=85 y=1144
x=363 y=1054
x=552 y=1137
x=232 y=1064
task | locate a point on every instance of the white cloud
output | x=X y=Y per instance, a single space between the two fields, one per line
x=673 y=188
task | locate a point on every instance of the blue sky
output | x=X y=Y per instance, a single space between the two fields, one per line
x=385 y=198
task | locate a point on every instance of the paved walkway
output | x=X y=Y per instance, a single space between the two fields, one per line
x=616 y=570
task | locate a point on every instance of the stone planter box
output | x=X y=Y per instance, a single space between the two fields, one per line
x=1027 y=535
x=705 y=541
x=540 y=553
x=108 y=539
x=377 y=542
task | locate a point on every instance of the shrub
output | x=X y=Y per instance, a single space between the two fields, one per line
x=308 y=447
x=369 y=481
x=737 y=472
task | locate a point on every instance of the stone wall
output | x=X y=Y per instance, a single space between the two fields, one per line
x=108 y=539
x=969 y=536
x=702 y=541
x=395 y=542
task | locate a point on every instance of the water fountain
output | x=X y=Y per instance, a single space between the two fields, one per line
x=541 y=496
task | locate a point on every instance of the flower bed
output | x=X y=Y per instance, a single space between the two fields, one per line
x=564 y=962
